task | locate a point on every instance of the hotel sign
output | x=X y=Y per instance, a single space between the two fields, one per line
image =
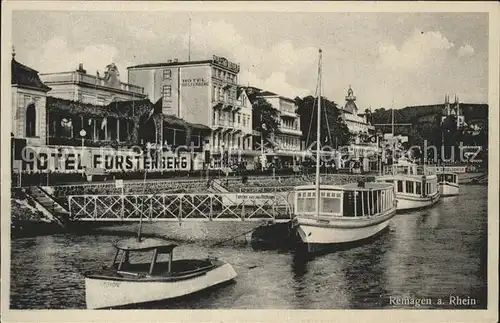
x=194 y=82
x=223 y=62
x=73 y=160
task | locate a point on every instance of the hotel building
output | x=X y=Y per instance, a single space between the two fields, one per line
x=203 y=92
x=285 y=143
x=75 y=116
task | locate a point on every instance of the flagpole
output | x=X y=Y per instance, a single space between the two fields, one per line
x=189 y=43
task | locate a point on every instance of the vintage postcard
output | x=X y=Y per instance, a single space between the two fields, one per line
x=249 y=161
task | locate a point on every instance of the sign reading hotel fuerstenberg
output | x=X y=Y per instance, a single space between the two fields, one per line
x=69 y=160
x=194 y=82
x=223 y=62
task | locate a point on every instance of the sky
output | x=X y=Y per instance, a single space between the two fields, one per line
x=389 y=59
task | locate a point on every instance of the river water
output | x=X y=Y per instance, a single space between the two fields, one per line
x=434 y=253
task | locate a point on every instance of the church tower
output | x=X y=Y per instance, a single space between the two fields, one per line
x=350 y=105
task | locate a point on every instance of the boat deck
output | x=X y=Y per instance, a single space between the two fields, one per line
x=181 y=269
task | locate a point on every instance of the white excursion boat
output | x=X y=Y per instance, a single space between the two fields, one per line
x=415 y=187
x=126 y=282
x=448 y=184
x=330 y=214
x=347 y=213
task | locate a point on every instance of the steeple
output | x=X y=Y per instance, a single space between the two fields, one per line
x=13 y=52
x=350 y=105
x=447 y=109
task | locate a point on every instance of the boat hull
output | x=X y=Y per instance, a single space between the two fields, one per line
x=412 y=202
x=339 y=231
x=108 y=293
x=448 y=189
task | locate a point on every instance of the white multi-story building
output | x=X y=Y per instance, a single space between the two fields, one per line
x=203 y=92
x=288 y=137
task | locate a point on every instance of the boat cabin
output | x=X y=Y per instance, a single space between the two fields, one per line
x=128 y=247
x=350 y=200
x=448 y=178
x=416 y=186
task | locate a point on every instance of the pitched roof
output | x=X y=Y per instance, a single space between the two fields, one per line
x=170 y=64
x=25 y=76
x=267 y=93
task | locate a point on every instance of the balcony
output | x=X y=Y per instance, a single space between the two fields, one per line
x=290 y=131
x=224 y=80
x=226 y=125
x=288 y=113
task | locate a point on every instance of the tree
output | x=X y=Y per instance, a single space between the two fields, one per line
x=333 y=132
x=265 y=118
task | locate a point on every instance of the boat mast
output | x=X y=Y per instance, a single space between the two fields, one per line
x=142 y=204
x=393 y=141
x=318 y=134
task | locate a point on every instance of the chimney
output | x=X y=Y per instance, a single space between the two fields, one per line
x=176 y=60
x=80 y=68
x=169 y=61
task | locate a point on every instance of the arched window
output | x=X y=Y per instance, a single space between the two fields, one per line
x=31 y=121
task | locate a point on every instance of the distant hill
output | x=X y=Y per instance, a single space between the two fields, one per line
x=431 y=114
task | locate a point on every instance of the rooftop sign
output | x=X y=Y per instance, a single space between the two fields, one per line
x=223 y=62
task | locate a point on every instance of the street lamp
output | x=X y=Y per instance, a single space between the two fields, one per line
x=83 y=133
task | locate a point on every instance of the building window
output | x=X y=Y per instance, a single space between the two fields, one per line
x=167 y=74
x=239 y=119
x=31 y=121
x=166 y=91
x=66 y=128
x=214 y=90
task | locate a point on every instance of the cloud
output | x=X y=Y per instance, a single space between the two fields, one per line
x=276 y=69
x=57 y=56
x=419 y=50
x=466 y=50
x=276 y=82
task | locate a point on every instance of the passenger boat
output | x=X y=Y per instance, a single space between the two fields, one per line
x=330 y=214
x=415 y=187
x=127 y=282
x=448 y=183
x=347 y=213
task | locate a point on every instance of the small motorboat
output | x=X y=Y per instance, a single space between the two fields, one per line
x=128 y=280
x=448 y=184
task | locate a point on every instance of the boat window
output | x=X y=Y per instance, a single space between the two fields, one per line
x=455 y=179
x=440 y=177
x=418 y=188
x=400 y=186
x=388 y=181
x=366 y=202
x=449 y=178
x=409 y=187
x=359 y=204
x=331 y=205
x=306 y=204
x=348 y=203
